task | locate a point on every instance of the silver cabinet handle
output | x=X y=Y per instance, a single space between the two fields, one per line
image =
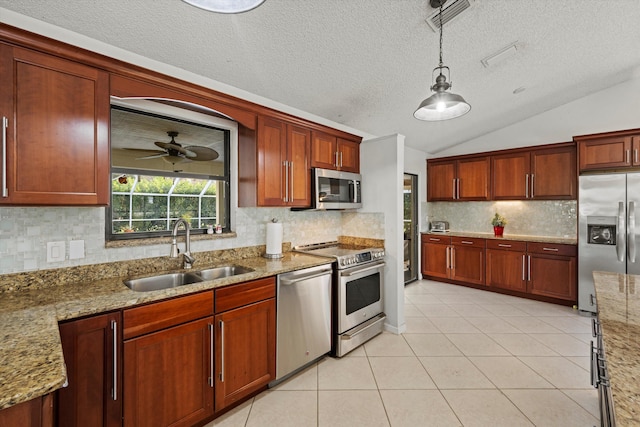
x=291 y=179
x=504 y=246
x=286 y=181
x=627 y=157
x=453 y=258
x=433 y=239
x=523 y=268
x=631 y=239
x=221 y=351
x=550 y=249
x=532 y=185
x=337 y=164
x=210 y=326
x=341 y=159
x=635 y=155
x=114 y=333
x=5 y=125
x=621 y=248
x=526 y=187
x=453 y=189
x=466 y=242
x=448 y=264
x=458 y=188
x=529 y=268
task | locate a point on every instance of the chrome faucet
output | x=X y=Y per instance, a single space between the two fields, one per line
x=187 y=258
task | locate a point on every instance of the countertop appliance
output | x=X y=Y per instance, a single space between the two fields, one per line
x=358 y=283
x=335 y=190
x=607 y=234
x=303 y=319
x=439 y=226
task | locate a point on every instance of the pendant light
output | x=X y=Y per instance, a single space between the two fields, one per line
x=442 y=105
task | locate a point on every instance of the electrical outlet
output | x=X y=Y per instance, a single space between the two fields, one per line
x=56 y=251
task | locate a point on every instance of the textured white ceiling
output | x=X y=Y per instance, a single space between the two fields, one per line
x=367 y=63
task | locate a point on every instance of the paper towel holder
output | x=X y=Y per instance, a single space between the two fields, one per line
x=273 y=256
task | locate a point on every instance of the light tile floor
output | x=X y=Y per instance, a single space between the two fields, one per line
x=468 y=358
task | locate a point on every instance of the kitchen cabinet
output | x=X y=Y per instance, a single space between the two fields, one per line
x=552 y=270
x=91 y=349
x=540 y=174
x=284 y=172
x=609 y=151
x=55 y=128
x=331 y=152
x=168 y=362
x=36 y=412
x=455 y=258
x=245 y=343
x=506 y=265
x=463 y=179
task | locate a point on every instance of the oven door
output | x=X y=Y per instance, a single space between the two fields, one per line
x=359 y=294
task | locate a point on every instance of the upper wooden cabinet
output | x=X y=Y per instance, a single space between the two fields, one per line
x=606 y=151
x=56 y=129
x=331 y=152
x=540 y=174
x=463 y=179
x=284 y=174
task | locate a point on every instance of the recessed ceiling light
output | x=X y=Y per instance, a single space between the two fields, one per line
x=519 y=90
x=226 y=6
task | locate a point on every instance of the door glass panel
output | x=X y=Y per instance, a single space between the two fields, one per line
x=362 y=292
x=410 y=208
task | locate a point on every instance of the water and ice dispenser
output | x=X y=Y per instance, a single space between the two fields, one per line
x=601 y=230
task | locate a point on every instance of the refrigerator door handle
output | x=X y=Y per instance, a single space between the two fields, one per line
x=631 y=232
x=621 y=248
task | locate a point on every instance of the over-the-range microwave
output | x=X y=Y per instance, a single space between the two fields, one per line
x=335 y=190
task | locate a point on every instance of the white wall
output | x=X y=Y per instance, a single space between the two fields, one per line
x=382 y=164
x=614 y=108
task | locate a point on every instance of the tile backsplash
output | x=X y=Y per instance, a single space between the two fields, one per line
x=24 y=233
x=556 y=218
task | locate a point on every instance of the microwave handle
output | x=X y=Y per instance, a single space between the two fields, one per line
x=356 y=186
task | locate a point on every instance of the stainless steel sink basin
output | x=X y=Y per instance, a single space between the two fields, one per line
x=224 y=271
x=162 y=281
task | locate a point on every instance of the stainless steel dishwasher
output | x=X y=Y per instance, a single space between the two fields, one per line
x=303 y=318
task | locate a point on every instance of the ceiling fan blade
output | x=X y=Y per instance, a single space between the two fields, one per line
x=143 y=150
x=202 y=154
x=174 y=147
x=153 y=156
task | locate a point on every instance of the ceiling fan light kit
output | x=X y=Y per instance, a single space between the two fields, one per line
x=442 y=105
x=176 y=153
x=226 y=6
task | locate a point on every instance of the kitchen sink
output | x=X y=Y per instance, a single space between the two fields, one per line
x=162 y=281
x=223 y=271
x=172 y=280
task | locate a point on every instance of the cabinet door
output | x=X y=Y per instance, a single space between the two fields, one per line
x=435 y=259
x=93 y=359
x=245 y=351
x=441 y=185
x=467 y=264
x=553 y=174
x=506 y=269
x=553 y=276
x=473 y=179
x=58 y=130
x=37 y=412
x=168 y=376
x=349 y=155
x=299 y=144
x=605 y=153
x=272 y=153
x=324 y=151
x=510 y=176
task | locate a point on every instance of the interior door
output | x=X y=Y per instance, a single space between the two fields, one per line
x=410 y=225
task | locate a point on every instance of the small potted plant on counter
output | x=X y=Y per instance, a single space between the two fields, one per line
x=498 y=223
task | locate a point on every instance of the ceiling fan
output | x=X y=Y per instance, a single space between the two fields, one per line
x=175 y=153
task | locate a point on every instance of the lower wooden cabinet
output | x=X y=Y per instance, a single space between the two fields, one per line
x=93 y=396
x=506 y=265
x=245 y=340
x=36 y=412
x=435 y=256
x=454 y=258
x=551 y=271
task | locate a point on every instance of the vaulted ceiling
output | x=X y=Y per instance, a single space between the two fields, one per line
x=367 y=63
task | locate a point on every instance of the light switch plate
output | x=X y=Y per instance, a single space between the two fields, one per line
x=55 y=251
x=76 y=249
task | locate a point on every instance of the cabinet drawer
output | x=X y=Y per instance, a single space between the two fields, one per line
x=467 y=241
x=552 y=249
x=507 y=245
x=235 y=296
x=161 y=315
x=432 y=238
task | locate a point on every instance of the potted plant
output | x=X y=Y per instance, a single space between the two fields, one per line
x=498 y=223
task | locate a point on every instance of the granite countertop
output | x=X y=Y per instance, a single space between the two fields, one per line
x=618 y=298
x=31 y=360
x=520 y=237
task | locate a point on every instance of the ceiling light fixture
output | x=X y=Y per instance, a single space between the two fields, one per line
x=442 y=105
x=226 y=6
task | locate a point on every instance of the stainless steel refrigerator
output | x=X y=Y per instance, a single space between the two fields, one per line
x=607 y=236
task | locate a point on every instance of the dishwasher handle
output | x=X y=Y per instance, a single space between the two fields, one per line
x=303 y=277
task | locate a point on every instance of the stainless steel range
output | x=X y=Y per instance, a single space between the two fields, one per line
x=358 y=283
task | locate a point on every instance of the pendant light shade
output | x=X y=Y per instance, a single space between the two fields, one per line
x=442 y=105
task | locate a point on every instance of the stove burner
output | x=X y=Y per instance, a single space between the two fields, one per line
x=346 y=255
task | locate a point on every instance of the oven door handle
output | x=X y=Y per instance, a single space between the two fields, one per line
x=363 y=269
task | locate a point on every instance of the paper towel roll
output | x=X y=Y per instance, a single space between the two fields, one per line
x=274 y=238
